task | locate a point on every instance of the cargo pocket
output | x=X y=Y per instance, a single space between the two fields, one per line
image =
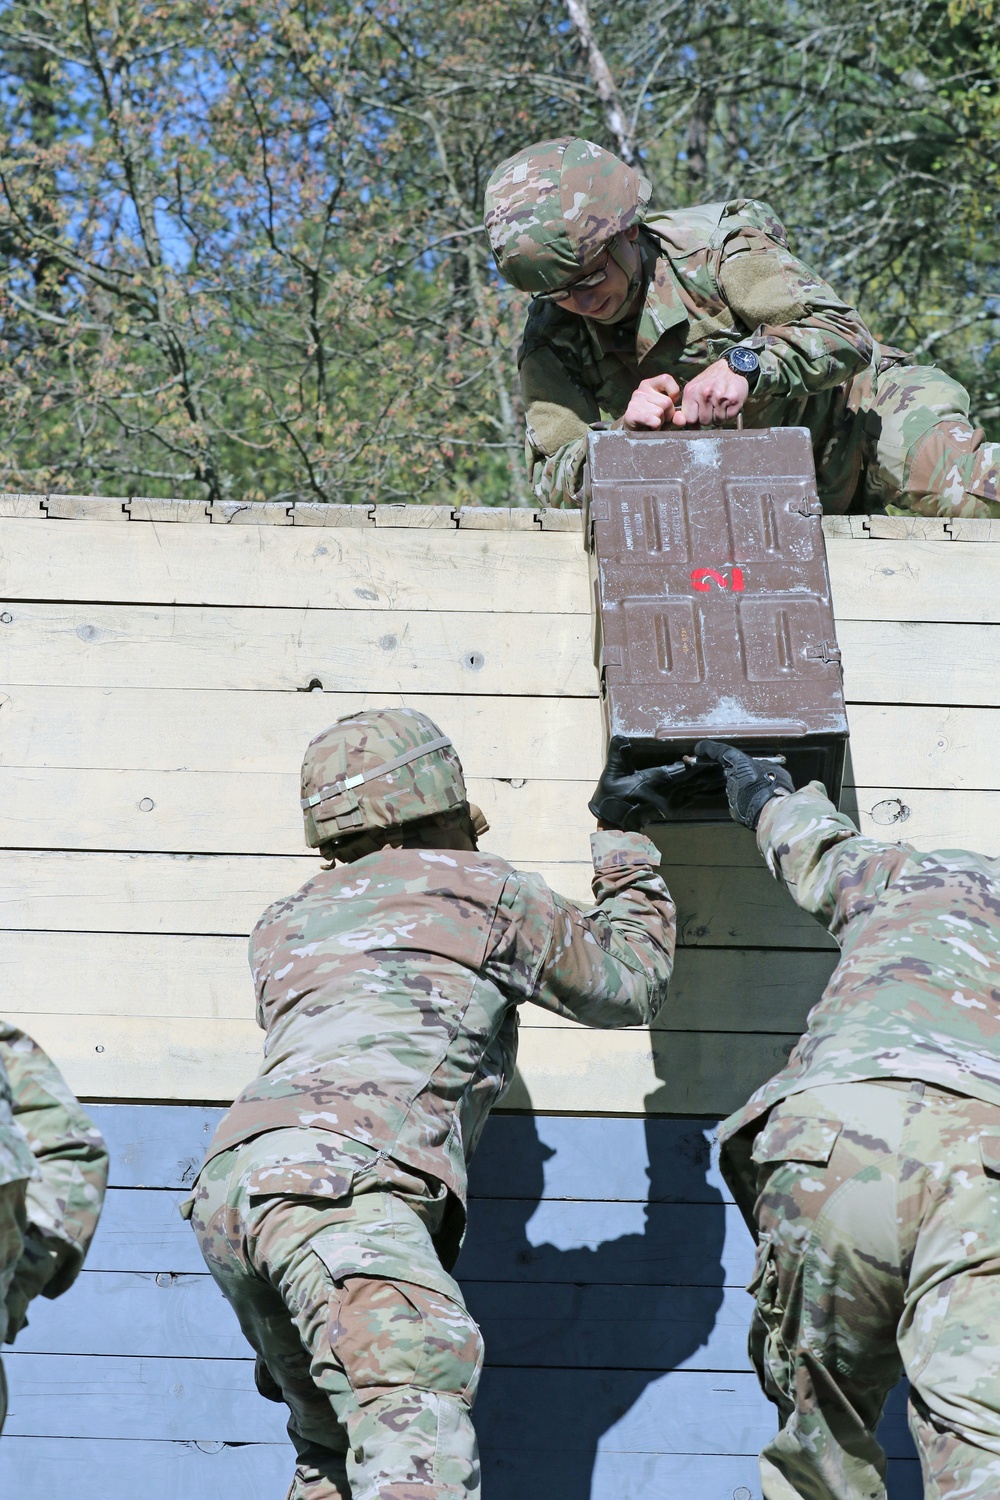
x=989 y=1152
x=399 y=1323
x=299 y=1179
x=798 y=1138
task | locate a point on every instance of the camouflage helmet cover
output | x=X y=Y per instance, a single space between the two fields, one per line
x=552 y=207
x=377 y=769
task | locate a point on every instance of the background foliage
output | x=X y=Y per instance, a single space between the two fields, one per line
x=240 y=245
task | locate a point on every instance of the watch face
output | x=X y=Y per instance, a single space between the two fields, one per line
x=743 y=361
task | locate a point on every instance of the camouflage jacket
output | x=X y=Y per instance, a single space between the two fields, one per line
x=916 y=993
x=716 y=275
x=389 y=991
x=68 y=1164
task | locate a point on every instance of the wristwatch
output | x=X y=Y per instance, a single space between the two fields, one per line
x=743 y=361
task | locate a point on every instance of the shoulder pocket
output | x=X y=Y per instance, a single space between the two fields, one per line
x=797 y=1138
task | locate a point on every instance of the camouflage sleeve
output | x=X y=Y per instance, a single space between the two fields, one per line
x=64 y=1200
x=558 y=412
x=830 y=869
x=806 y=338
x=609 y=966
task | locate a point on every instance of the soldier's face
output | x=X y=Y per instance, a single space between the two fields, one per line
x=605 y=301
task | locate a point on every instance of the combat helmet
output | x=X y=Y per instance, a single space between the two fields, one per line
x=552 y=207
x=376 y=770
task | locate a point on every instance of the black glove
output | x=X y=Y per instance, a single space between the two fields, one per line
x=628 y=799
x=750 y=784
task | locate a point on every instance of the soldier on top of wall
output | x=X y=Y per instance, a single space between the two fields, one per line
x=331 y=1205
x=53 y=1172
x=698 y=315
x=869 y=1167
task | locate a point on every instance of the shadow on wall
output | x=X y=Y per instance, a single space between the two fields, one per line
x=594 y=1266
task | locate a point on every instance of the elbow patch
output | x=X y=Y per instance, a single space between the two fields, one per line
x=761 y=290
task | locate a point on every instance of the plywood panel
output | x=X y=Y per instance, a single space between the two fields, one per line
x=97 y=1469
x=132 y=729
x=202 y=979
x=534 y=1326
x=618 y=1160
x=207 y=812
x=940 y=748
x=112 y=892
x=385 y=651
x=904 y=661
x=912 y=580
x=271 y=566
x=616 y=1072
x=141 y=1230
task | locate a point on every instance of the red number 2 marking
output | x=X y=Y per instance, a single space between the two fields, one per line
x=703 y=578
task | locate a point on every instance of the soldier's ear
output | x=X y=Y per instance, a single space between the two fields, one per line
x=478 y=819
x=631 y=233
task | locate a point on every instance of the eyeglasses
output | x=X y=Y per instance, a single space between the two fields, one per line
x=582 y=284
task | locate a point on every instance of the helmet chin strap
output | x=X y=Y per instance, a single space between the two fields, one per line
x=620 y=256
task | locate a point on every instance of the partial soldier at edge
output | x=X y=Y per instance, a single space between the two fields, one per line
x=53 y=1175
x=869 y=1167
x=650 y=320
x=331 y=1205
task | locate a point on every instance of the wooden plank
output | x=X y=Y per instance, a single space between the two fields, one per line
x=146 y=729
x=96 y=1469
x=911 y=580
x=525 y=1324
x=903 y=661
x=203 y=977
x=298 y=568
x=164 y=1400
x=616 y=1159
x=169 y=1058
x=684 y=1411
x=158 y=1145
x=938 y=747
x=119 y=892
x=629 y=1413
x=669 y=1244
x=135 y=646
x=205 y=812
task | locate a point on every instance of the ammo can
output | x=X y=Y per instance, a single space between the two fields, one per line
x=713 y=616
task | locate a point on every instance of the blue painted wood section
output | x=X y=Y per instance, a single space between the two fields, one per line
x=604 y=1262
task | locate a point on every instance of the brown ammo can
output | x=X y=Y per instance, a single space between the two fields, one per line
x=713 y=616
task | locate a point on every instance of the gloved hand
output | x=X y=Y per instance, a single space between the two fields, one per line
x=628 y=799
x=750 y=784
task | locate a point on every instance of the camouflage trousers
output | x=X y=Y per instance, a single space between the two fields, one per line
x=921 y=454
x=12 y=1227
x=878 y=1213
x=356 y=1325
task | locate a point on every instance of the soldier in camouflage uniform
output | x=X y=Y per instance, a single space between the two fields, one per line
x=53 y=1172
x=695 y=316
x=331 y=1205
x=869 y=1167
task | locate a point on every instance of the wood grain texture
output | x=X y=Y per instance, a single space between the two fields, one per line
x=295 y=567
x=435 y=651
x=203 y=978
x=913 y=580
x=146 y=729
x=577 y=1158
x=938 y=747
x=152 y=1057
x=284 y=650
x=99 y=1469
x=225 y=894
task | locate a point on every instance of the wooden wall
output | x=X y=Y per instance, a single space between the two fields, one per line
x=162 y=665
